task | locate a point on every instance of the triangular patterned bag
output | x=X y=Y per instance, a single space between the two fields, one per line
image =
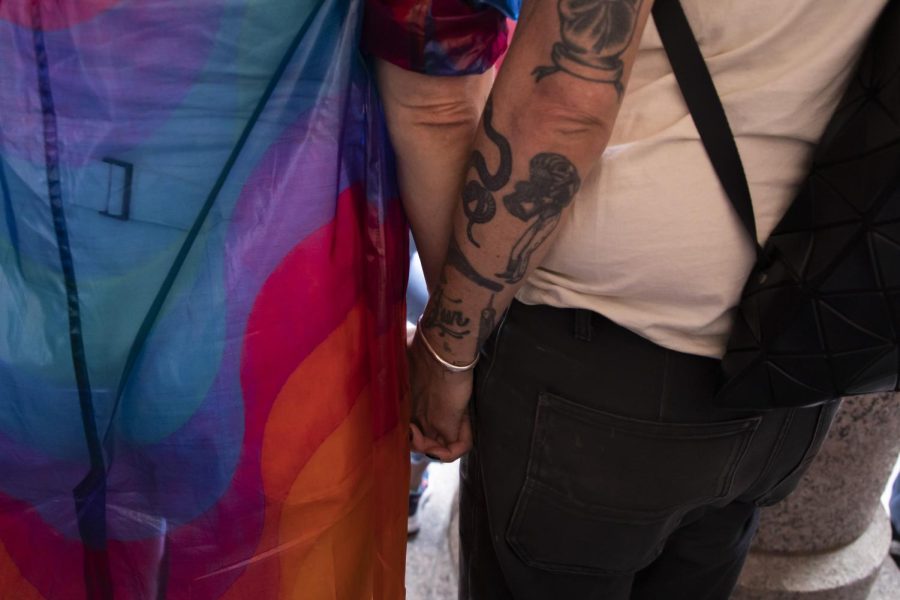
x=819 y=317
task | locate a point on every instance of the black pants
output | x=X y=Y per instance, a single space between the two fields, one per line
x=601 y=470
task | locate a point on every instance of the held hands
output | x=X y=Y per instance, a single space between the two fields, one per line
x=440 y=424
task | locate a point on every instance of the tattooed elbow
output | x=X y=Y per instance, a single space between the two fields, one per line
x=575 y=125
x=571 y=106
x=576 y=122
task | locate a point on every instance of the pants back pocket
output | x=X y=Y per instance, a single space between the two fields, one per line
x=602 y=492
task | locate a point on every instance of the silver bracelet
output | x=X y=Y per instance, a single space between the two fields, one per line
x=447 y=365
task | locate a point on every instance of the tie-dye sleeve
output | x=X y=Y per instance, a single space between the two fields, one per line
x=438 y=37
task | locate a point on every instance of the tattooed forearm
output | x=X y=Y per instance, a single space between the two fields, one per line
x=445 y=315
x=497 y=180
x=457 y=260
x=478 y=202
x=479 y=206
x=488 y=320
x=552 y=183
x=594 y=35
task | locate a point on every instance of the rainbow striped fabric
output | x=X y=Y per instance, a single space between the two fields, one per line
x=202 y=268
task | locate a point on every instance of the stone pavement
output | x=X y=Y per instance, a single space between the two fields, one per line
x=430 y=567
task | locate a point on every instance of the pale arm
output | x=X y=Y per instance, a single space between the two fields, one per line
x=549 y=119
x=432 y=122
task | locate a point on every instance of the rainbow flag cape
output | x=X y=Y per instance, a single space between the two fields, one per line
x=202 y=267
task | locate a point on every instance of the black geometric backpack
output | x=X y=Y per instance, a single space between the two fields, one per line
x=819 y=316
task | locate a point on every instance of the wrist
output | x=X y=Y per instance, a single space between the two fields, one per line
x=447 y=361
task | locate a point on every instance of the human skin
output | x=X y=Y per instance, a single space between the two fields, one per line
x=549 y=118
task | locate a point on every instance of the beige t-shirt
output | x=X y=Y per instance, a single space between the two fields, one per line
x=651 y=240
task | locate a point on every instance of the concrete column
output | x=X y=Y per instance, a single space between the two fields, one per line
x=829 y=540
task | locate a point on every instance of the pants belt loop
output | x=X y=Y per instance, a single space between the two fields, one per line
x=583 y=324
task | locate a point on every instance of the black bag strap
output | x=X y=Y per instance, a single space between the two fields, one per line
x=706 y=108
